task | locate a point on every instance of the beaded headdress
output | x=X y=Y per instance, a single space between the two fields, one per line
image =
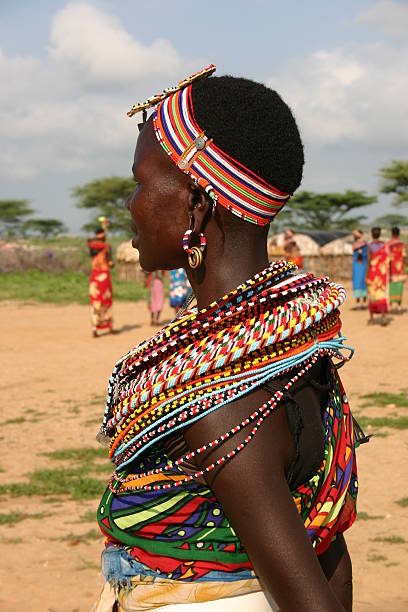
x=225 y=180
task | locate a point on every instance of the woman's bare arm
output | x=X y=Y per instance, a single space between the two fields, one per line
x=254 y=494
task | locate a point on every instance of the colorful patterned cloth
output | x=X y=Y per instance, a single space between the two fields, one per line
x=378 y=277
x=179 y=287
x=398 y=254
x=183 y=534
x=100 y=286
x=170 y=523
x=359 y=269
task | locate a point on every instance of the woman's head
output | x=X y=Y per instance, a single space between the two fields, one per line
x=252 y=124
x=252 y=155
x=376 y=232
x=100 y=233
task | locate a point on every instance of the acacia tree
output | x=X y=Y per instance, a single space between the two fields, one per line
x=106 y=197
x=391 y=220
x=12 y=214
x=395 y=180
x=44 y=227
x=325 y=211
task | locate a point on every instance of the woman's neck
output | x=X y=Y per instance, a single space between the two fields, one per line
x=227 y=264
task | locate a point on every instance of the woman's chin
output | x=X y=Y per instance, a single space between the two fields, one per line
x=144 y=263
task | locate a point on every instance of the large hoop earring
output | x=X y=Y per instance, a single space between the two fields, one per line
x=195 y=253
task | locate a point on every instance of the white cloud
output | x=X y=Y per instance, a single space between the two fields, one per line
x=96 y=46
x=352 y=94
x=68 y=109
x=388 y=16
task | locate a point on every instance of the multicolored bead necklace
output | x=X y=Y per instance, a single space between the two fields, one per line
x=260 y=415
x=273 y=323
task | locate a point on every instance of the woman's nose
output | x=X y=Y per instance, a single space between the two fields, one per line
x=128 y=202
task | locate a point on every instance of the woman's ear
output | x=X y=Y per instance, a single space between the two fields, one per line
x=198 y=207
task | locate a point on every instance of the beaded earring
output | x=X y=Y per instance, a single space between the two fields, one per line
x=195 y=254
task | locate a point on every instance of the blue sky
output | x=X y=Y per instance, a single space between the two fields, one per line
x=70 y=70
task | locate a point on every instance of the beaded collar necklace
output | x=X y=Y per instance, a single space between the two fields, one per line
x=273 y=323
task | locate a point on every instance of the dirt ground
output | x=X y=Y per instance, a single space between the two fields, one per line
x=53 y=384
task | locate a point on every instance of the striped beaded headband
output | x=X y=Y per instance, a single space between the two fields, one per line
x=223 y=178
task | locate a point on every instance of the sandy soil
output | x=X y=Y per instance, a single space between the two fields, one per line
x=54 y=377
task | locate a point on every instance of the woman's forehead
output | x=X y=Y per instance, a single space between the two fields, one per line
x=149 y=155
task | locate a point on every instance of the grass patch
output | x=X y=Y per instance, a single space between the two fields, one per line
x=394 y=539
x=74 y=539
x=16 y=421
x=11 y=518
x=403 y=502
x=376 y=558
x=364 y=516
x=85 y=458
x=88 y=517
x=97 y=400
x=384 y=399
x=94 y=421
x=51 y=500
x=62 y=287
x=11 y=540
x=392 y=423
x=88 y=565
x=16 y=517
x=83 y=455
x=74 y=483
x=391 y=564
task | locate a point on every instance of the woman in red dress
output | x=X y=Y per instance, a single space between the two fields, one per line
x=378 y=277
x=100 y=286
x=291 y=249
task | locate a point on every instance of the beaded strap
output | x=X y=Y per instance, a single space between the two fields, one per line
x=259 y=415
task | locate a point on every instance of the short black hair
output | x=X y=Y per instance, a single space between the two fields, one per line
x=395 y=231
x=376 y=232
x=254 y=125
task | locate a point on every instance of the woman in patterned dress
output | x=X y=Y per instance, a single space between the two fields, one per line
x=100 y=285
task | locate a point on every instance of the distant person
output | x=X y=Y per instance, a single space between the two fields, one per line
x=378 y=277
x=292 y=250
x=179 y=288
x=100 y=286
x=359 y=268
x=398 y=252
x=273 y=248
x=156 y=300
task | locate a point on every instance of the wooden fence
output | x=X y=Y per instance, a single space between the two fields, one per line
x=337 y=267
